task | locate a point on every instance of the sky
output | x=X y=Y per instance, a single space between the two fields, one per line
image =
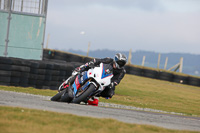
x=162 y=26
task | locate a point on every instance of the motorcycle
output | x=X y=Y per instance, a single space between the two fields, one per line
x=86 y=85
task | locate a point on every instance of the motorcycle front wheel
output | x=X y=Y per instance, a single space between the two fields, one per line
x=84 y=95
x=58 y=96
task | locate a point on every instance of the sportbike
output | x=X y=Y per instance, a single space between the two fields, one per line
x=82 y=86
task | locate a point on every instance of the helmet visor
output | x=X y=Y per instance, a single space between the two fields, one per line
x=121 y=63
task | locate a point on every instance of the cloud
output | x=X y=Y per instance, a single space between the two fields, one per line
x=119 y=25
x=148 y=5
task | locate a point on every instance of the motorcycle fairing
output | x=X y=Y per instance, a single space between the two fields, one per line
x=105 y=73
x=79 y=80
x=101 y=74
x=76 y=84
x=84 y=77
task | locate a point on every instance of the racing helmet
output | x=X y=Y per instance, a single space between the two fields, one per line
x=120 y=60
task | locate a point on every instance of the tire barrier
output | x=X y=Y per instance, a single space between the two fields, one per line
x=162 y=75
x=181 y=79
x=34 y=73
x=151 y=73
x=194 y=81
x=61 y=57
x=134 y=70
x=49 y=54
x=57 y=67
x=166 y=76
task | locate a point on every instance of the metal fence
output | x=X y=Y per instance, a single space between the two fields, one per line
x=25 y=6
x=22 y=29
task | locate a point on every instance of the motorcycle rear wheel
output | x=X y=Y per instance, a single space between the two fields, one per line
x=84 y=95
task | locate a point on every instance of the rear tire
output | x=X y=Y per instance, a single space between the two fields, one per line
x=57 y=96
x=85 y=94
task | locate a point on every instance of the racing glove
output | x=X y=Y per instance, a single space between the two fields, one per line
x=78 y=70
x=91 y=64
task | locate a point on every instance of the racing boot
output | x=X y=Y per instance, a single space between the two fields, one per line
x=94 y=101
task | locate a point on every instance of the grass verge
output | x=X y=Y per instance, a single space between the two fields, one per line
x=144 y=93
x=156 y=94
x=21 y=120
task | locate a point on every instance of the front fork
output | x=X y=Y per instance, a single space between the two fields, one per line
x=66 y=83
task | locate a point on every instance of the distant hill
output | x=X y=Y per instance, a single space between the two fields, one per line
x=191 y=62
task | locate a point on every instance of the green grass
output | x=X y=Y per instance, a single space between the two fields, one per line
x=21 y=120
x=145 y=93
x=31 y=90
x=156 y=94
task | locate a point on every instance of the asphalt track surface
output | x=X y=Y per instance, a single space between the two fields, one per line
x=129 y=116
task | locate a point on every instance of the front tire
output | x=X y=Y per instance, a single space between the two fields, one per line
x=85 y=94
x=57 y=96
x=67 y=96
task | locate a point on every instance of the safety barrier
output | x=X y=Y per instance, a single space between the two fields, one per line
x=34 y=73
x=49 y=54
x=163 y=75
x=57 y=66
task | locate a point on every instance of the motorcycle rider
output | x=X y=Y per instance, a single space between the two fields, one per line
x=117 y=65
